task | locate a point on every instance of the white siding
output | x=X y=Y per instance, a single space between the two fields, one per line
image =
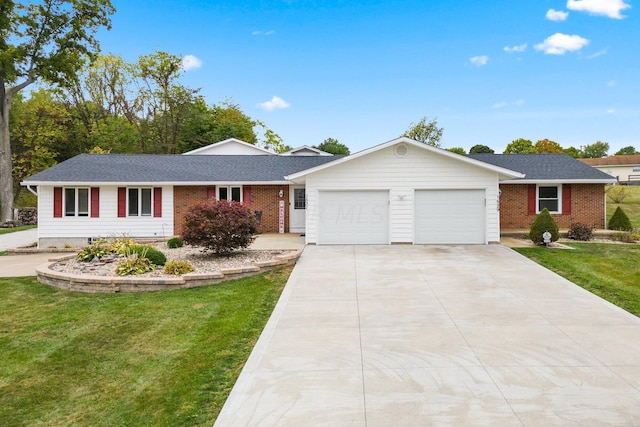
x=620 y=172
x=418 y=170
x=108 y=224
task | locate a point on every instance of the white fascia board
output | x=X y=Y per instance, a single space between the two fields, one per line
x=413 y=143
x=147 y=184
x=559 y=181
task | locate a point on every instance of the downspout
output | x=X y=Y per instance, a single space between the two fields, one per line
x=35 y=193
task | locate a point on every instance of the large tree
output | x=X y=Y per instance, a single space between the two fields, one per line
x=333 y=146
x=520 y=146
x=45 y=40
x=596 y=150
x=626 y=151
x=425 y=131
x=547 y=146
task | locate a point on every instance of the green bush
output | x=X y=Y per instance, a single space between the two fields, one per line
x=96 y=250
x=178 y=267
x=580 y=231
x=134 y=265
x=148 y=252
x=220 y=226
x=175 y=242
x=543 y=222
x=121 y=244
x=620 y=221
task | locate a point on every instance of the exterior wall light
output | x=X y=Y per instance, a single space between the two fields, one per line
x=281 y=193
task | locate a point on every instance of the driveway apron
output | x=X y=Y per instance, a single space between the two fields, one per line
x=437 y=335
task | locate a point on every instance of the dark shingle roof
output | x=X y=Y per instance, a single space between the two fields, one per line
x=119 y=168
x=544 y=166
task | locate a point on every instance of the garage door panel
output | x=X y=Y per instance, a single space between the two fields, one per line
x=353 y=217
x=449 y=216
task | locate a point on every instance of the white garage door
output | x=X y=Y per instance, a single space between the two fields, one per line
x=449 y=216
x=353 y=217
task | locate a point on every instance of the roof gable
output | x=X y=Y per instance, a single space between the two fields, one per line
x=305 y=150
x=231 y=146
x=505 y=173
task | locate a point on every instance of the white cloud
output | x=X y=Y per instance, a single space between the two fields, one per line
x=479 y=61
x=262 y=33
x=189 y=62
x=514 y=49
x=276 y=103
x=611 y=111
x=503 y=104
x=598 y=53
x=610 y=8
x=556 y=15
x=559 y=44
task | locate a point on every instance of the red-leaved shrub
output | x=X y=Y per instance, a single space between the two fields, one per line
x=219 y=226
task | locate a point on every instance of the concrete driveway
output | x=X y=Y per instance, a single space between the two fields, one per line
x=437 y=335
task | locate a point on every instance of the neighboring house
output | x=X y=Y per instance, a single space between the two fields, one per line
x=620 y=167
x=401 y=191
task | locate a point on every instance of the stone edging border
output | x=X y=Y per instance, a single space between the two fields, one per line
x=110 y=284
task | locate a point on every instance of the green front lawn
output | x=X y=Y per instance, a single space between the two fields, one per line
x=630 y=205
x=158 y=358
x=611 y=271
x=14 y=229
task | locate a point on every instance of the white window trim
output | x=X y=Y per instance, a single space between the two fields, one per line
x=76 y=202
x=229 y=187
x=139 y=215
x=559 y=187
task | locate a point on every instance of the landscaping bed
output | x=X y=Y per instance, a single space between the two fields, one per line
x=99 y=275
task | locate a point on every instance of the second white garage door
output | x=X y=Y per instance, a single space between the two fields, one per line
x=353 y=217
x=449 y=216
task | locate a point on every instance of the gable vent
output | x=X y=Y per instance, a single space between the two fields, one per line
x=401 y=150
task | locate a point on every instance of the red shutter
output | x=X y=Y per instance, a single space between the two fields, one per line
x=57 y=202
x=95 y=202
x=122 y=202
x=246 y=195
x=531 y=199
x=566 y=199
x=211 y=193
x=157 y=202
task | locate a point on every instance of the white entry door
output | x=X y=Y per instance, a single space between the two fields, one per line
x=353 y=217
x=298 y=209
x=450 y=216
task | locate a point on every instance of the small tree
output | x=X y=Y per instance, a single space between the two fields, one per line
x=620 y=221
x=219 y=226
x=543 y=222
x=618 y=193
x=481 y=149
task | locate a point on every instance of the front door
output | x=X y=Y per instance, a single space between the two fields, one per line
x=298 y=209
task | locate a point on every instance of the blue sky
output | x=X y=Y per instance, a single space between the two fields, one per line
x=363 y=71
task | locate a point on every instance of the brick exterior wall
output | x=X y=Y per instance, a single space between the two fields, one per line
x=264 y=198
x=587 y=207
